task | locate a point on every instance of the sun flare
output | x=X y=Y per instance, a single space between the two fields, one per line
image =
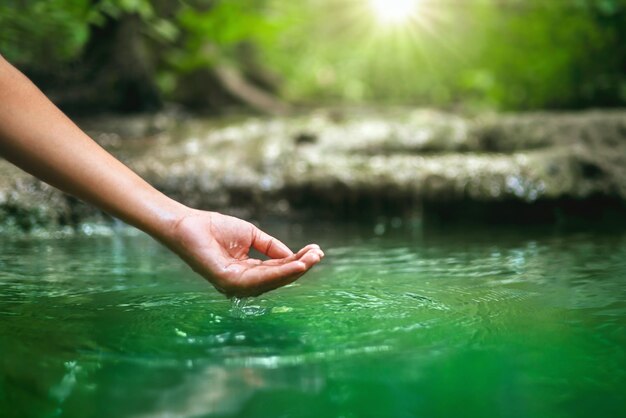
x=394 y=12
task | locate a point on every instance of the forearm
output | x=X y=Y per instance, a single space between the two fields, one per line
x=36 y=136
x=40 y=139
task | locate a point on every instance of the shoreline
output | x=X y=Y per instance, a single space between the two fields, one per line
x=527 y=167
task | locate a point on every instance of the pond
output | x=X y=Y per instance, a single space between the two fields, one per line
x=397 y=321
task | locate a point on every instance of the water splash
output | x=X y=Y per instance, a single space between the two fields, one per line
x=243 y=308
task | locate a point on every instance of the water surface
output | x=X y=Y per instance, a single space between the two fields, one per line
x=395 y=322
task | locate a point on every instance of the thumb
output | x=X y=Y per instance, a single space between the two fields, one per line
x=269 y=245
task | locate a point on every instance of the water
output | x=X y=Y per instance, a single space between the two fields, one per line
x=395 y=322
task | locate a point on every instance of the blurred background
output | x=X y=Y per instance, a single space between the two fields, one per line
x=469 y=55
x=461 y=162
x=422 y=109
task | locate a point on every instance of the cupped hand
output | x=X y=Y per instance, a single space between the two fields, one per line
x=216 y=246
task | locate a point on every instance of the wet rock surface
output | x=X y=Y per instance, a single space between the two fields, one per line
x=355 y=163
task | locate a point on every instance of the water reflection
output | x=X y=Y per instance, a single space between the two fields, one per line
x=114 y=325
x=217 y=391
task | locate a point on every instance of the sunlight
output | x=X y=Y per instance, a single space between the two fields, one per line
x=394 y=12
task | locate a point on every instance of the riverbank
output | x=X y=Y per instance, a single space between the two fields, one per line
x=345 y=164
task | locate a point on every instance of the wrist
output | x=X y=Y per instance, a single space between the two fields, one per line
x=166 y=216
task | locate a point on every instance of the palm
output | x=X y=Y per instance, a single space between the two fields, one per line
x=217 y=246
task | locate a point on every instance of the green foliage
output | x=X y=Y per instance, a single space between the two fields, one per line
x=508 y=54
x=38 y=33
x=43 y=33
x=557 y=54
x=160 y=29
x=213 y=34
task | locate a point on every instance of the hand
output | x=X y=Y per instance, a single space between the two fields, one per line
x=216 y=247
x=36 y=136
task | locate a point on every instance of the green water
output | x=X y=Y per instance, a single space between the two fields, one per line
x=396 y=322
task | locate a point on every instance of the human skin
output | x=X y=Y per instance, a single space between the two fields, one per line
x=37 y=137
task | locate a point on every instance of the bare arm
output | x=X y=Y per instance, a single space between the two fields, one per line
x=36 y=136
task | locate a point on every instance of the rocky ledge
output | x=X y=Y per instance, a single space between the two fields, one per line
x=539 y=166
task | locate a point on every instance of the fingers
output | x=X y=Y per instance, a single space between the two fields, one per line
x=262 y=278
x=278 y=261
x=309 y=247
x=312 y=257
x=269 y=245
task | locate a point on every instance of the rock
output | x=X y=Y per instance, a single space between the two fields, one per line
x=392 y=162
